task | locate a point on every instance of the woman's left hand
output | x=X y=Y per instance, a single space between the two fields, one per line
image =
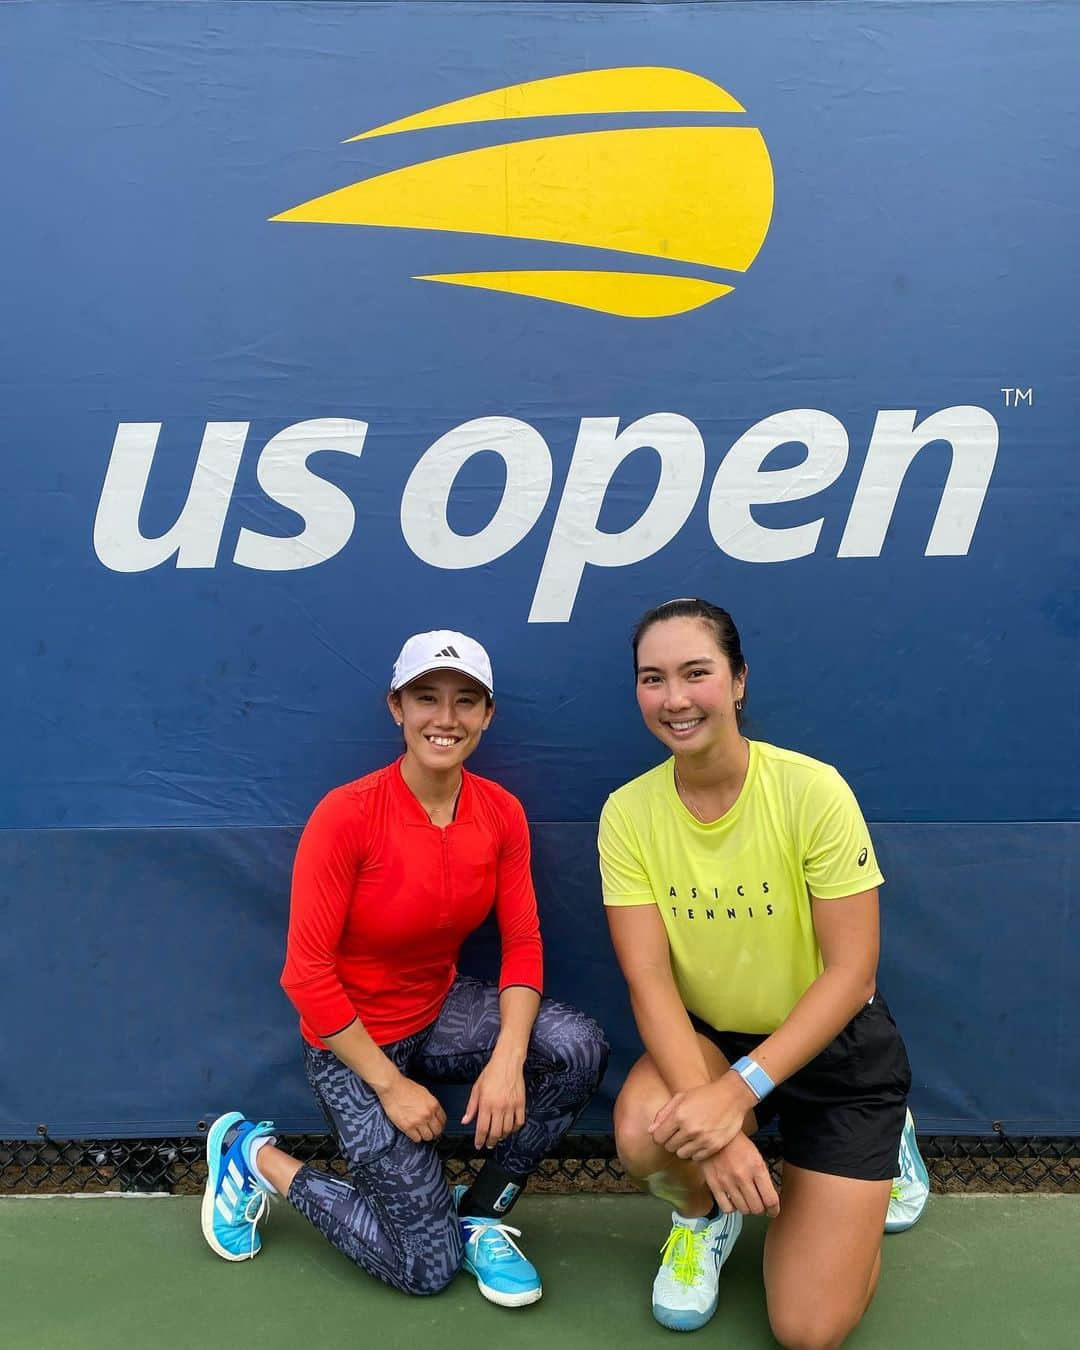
x=698 y=1123
x=497 y=1100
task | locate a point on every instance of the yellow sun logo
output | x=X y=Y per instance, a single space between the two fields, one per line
x=697 y=195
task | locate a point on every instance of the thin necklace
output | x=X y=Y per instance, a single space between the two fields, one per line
x=448 y=804
x=438 y=807
x=680 y=787
x=681 y=790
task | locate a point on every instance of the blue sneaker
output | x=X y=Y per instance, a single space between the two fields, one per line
x=233 y=1201
x=503 y=1272
x=911 y=1189
x=687 y=1285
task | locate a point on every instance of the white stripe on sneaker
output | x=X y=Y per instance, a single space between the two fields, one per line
x=223 y=1209
x=236 y=1174
x=230 y=1190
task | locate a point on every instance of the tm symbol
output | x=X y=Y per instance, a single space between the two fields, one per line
x=1014 y=397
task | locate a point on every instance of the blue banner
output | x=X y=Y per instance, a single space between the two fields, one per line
x=325 y=324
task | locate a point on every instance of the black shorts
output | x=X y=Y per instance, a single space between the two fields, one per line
x=843 y=1113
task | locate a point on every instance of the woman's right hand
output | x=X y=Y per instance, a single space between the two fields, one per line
x=413 y=1110
x=738 y=1177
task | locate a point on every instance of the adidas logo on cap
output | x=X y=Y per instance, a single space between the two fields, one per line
x=442 y=650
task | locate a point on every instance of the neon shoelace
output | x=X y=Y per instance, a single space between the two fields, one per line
x=684 y=1252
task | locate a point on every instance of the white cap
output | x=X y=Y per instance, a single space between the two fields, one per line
x=441 y=650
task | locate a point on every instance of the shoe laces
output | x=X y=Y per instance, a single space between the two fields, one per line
x=498 y=1244
x=256 y=1207
x=684 y=1253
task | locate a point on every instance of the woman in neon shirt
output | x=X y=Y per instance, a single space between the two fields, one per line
x=741 y=887
x=393 y=871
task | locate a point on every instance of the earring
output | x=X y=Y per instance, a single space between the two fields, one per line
x=738 y=705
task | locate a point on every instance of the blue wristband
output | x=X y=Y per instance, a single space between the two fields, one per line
x=754 y=1076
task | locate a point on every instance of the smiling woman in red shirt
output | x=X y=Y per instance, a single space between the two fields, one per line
x=392 y=873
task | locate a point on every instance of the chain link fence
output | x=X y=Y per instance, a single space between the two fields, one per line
x=584 y=1162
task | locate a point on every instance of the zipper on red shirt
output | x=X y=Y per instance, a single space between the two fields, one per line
x=445 y=905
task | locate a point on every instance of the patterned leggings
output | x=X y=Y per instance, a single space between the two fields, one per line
x=393 y=1216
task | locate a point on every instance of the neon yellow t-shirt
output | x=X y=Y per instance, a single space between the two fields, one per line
x=735 y=894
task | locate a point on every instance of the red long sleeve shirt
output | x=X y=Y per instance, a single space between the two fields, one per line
x=382 y=901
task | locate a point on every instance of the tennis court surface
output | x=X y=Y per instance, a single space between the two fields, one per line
x=978 y=1272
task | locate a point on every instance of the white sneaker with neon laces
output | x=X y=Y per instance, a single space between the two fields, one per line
x=911 y=1189
x=687 y=1285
